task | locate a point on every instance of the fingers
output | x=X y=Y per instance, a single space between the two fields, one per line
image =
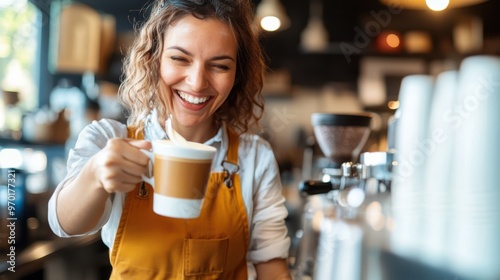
x=115 y=181
x=133 y=153
x=141 y=144
x=121 y=164
x=135 y=167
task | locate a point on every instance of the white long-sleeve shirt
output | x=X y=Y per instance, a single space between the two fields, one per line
x=260 y=183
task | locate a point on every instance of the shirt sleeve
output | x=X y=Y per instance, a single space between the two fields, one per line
x=269 y=235
x=90 y=141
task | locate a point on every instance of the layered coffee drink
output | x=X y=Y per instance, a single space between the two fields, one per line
x=181 y=177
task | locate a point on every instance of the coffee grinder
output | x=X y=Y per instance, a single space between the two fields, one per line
x=350 y=189
x=341 y=138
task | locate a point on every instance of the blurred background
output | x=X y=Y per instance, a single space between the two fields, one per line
x=60 y=69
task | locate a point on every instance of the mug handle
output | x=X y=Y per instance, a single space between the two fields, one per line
x=149 y=180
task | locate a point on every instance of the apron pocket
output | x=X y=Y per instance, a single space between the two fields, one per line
x=204 y=256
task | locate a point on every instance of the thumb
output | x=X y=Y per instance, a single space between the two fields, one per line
x=141 y=144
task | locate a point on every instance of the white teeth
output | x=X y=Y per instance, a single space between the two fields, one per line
x=192 y=99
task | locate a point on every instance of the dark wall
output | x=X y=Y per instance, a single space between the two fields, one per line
x=342 y=18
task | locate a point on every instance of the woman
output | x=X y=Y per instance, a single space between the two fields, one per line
x=199 y=62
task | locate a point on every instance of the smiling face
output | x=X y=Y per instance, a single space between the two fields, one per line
x=197 y=69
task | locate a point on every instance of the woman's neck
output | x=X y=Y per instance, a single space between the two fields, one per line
x=199 y=134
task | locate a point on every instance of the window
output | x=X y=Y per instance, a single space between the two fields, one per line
x=19 y=43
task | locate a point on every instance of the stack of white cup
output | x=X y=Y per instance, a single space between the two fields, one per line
x=410 y=138
x=446 y=187
x=475 y=231
x=436 y=188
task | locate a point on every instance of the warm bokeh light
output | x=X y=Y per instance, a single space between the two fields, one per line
x=392 y=40
x=270 y=23
x=389 y=41
x=437 y=5
x=417 y=42
x=374 y=216
x=393 y=105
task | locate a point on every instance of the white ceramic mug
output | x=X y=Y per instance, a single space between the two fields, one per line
x=179 y=178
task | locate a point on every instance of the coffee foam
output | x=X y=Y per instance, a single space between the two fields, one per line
x=191 y=150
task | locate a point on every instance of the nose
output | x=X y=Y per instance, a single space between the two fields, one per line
x=197 y=77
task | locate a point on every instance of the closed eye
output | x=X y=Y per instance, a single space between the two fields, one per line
x=178 y=58
x=221 y=67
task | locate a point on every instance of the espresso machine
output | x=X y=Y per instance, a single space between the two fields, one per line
x=333 y=235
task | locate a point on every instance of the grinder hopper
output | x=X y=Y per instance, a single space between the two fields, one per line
x=341 y=136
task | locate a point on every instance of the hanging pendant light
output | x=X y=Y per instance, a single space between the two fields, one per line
x=271 y=16
x=435 y=5
x=315 y=36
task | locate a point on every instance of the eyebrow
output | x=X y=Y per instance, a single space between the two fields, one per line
x=218 y=57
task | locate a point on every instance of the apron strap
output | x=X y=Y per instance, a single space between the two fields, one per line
x=232 y=154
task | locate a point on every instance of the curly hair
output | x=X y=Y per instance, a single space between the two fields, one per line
x=141 y=71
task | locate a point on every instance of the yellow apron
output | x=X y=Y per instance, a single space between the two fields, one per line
x=212 y=246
